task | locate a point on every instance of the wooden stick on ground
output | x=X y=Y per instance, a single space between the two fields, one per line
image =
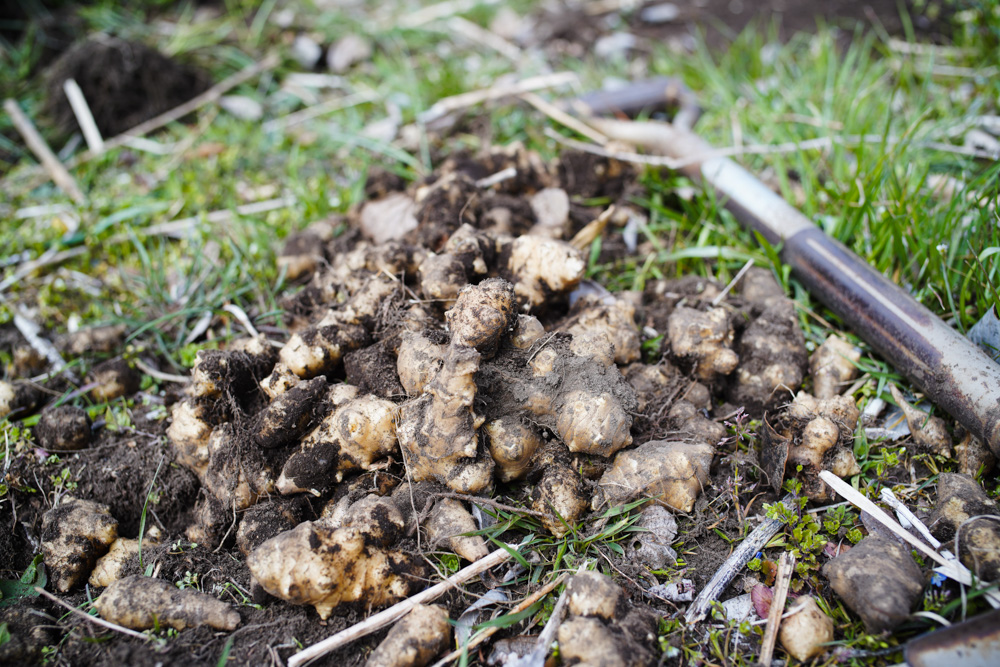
x=490 y=631
x=750 y=545
x=385 y=617
x=781 y=583
x=37 y=144
x=84 y=118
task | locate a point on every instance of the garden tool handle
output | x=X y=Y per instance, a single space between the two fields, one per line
x=952 y=371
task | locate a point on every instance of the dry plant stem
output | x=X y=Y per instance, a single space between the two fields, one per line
x=774 y=616
x=78 y=102
x=385 y=617
x=465 y=100
x=93 y=619
x=30 y=330
x=317 y=110
x=489 y=632
x=753 y=543
x=732 y=283
x=949 y=568
x=890 y=499
x=492 y=503
x=48 y=258
x=477 y=35
x=563 y=118
x=37 y=144
x=160 y=375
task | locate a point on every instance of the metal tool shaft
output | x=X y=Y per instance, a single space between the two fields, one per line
x=951 y=371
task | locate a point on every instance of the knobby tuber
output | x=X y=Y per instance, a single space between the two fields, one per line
x=878 y=580
x=805 y=631
x=929 y=433
x=447 y=524
x=965 y=514
x=110 y=566
x=323 y=566
x=75 y=534
x=113 y=379
x=143 y=603
x=671 y=472
x=415 y=639
x=832 y=366
x=704 y=340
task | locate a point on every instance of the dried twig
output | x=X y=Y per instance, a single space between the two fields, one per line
x=583 y=238
x=480 y=36
x=498 y=91
x=37 y=144
x=32 y=333
x=317 y=110
x=93 y=619
x=732 y=283
x=563 y=118
x=160 y=375
x=774 y=616
x=750 y=545
x=385 y=617
x=492 y=630
x=84 y=118
x=499 y=177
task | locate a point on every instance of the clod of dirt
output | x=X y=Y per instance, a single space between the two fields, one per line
x=960 y=498
x=75 y=534
x=353 y=437
x=929 y=433
x=593 y=594
x=671 y=472
x=29 y=630
x=448 y=522
x=63 y=429
x=415 y=639
x=372 y=370
x=114 y=378
x=266 y=520
x=303 y=253
x=143 y=603
x=652 y=546
x=110 y=566
x=124 y=83
x=832 y=366
x=974 y=456
x=96 y=340
x=560 y=494
x=804 y=632
x=703 y=340
x=20 y=397
x=322 y=566
x=878 y=580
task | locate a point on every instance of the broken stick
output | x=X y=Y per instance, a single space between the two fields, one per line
x=378 y=621
x=753 y=543
x=781 y=583
x=37 y=144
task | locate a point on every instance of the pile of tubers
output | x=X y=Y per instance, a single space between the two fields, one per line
x=447 y=345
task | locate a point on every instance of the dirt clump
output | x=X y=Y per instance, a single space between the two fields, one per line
x=124 y=83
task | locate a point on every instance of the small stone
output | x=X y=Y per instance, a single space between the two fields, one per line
x=662 y=13
x=306 y=52
x=347 y=52
x=242 y=107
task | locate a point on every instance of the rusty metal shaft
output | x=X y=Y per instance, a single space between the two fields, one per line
x=952 y=372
